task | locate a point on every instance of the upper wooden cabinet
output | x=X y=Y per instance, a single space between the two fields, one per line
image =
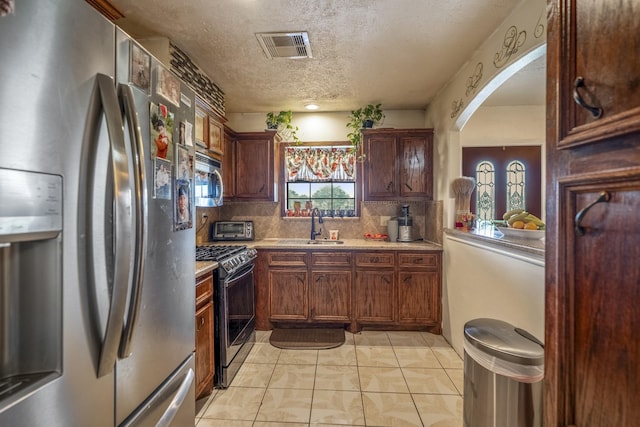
x=597 y=62
x=254 y=166
x=209 y=129
x=398 y=164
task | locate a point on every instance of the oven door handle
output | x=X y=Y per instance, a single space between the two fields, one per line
x=239 y=275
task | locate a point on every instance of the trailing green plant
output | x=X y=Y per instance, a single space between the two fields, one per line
x=282 y=123
x=363 y=117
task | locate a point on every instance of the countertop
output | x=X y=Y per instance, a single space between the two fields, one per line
x=349 y=244
x=204 y=267
x=492 y=237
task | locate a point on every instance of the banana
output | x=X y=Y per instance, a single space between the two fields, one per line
x=508 y=215
x=534 y=219
x=517 y=217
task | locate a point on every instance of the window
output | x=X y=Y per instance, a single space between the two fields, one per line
x=506 y=178
x=322 y=177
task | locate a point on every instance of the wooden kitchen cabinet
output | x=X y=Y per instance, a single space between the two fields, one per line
x=592 y=352
x=398 y=164
x=288 y=284
x=204 y=355
x=209 y=129
x=375 y=287
x=254 y=166
x=419 y=295
x=229 y=165
x=330 y=295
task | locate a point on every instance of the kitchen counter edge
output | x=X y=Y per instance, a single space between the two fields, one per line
x=204 y=267
x=349 y=244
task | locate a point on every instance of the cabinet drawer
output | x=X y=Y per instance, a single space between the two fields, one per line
x=331 y=259
x=417 y=259
x=287 y=259
x=375 y=259
x=204 y=290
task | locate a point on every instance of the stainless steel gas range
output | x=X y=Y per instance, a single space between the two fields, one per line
x=234 y=306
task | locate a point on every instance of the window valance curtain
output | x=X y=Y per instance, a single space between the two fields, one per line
x=320 y=164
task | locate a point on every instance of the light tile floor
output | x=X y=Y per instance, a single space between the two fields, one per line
x=375 y=379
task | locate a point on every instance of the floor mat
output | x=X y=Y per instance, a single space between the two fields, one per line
x=307 y=338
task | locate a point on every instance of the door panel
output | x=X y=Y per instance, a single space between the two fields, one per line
x=604 y=332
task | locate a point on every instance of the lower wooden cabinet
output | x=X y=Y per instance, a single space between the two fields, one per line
x=375 y=287
x=394 y=289
x=419 y=289
x=204 y=335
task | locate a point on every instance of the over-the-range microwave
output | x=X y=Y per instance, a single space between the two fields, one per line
x=208 y=181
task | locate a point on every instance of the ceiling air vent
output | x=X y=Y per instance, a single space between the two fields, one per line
x=285 y=45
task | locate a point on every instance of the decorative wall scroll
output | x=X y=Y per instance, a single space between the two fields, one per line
x=474 y=80
x=510 y=45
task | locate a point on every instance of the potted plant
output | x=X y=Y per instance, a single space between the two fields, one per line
x=282 y=123
x=362 y=118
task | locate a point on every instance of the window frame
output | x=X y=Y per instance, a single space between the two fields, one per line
x=282 y=181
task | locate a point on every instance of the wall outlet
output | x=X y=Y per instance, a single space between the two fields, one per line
x=384 y=219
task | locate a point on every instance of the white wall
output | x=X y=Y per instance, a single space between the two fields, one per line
x=481 y=282
x=478 y=282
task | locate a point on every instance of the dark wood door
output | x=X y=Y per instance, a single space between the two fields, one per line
x=592 y=355
x=380 y=168
x=416 y=164
x=600 y=44
x=288 y=295
x=254 y=166
x=375 y=296
x=330 y=293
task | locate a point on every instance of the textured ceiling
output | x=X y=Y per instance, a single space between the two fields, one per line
x=396 y=52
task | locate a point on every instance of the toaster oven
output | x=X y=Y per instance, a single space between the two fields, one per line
x=231 y=230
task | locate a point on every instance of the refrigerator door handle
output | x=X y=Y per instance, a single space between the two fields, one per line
x=140 y=212
x=177 y=401
x=104 y=99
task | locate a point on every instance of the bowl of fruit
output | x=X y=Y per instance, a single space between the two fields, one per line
x=522 y=224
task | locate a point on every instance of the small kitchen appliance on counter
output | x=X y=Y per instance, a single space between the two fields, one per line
x=405 y=225
x=231 y=231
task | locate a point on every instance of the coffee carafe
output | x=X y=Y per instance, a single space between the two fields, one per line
x=405 y=225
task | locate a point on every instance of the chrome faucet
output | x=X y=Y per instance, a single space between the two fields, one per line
x=315 y=233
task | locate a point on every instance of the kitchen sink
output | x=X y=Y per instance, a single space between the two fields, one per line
x=325 y=242
x=309 y=242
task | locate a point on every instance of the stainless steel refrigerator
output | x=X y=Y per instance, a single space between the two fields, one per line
x=97 y=280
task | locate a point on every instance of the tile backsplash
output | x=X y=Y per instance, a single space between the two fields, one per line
x=268 y=222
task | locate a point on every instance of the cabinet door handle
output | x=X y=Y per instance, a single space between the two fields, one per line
x=603 y=198
x=390 y=186
x=321 y=277
x=408 y=186
x=407 y=278
x=261 y=189
x=596 y=112
x=417 y=260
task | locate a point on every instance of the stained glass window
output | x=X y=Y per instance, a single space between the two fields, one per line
x=516 y=185
x=485 y=190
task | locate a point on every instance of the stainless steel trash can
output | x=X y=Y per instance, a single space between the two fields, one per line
x=503 y=371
